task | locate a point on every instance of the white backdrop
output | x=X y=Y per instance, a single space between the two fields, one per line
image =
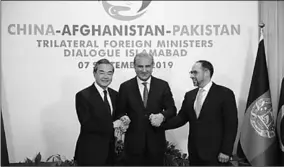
x=40 y=78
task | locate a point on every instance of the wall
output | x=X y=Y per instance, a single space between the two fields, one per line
x=41 y=79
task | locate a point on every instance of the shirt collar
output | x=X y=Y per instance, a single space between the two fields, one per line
x=139 y=81
x=208 y=86
x=100 y=89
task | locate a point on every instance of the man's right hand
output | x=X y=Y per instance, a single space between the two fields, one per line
x=156 y=119
x=125 y=120
x=125 y=123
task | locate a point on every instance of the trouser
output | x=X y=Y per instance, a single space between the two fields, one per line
x=111 y=153
x=144 y=159
x=90 y=162
x=196 y=160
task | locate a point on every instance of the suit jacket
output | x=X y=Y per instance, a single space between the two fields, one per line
x=140 y=130
x=96 y=132
x=215 y=129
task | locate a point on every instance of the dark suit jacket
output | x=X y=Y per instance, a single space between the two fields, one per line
x=96 y=132
x=216 y=127
x=140 y=130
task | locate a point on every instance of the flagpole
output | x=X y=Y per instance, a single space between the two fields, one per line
x=257 y=136
x=261 y=26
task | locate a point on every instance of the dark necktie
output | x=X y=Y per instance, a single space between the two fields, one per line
x=145 y=94
x=106 y=101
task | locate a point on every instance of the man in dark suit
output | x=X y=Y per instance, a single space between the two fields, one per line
x=211 y=112
x=95 y=106
x=138 y=98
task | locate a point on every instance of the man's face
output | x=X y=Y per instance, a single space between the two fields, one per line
x=197 y=74
x=143 y=67
x=103 y=75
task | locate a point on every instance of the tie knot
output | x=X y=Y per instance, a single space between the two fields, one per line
x=201 y=90
x=144 y=83
x=105 y=92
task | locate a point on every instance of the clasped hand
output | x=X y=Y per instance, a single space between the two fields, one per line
x=122 y=123
x=156 y=119
x=223 y=158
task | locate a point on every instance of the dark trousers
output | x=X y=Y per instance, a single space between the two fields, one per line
x=109 y=161
x=145 y=159
x=196 y=160
x=111 y=153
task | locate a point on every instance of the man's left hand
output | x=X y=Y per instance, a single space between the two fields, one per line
x=156 y=119
x=223 y=158
x=117 y=123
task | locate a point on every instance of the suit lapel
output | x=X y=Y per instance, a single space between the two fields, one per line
x=192 y=102
x=95 y=95
x=112 y=97
x=113 y=101
x=152 y=90
x=96 y=99
x=207 y=100
x=137 y=92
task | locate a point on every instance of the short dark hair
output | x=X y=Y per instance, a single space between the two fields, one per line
x=207 y=65
x=102 y=61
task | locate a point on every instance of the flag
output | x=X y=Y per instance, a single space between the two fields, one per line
x=280 y=123
x=257 y=136
x=4 y=150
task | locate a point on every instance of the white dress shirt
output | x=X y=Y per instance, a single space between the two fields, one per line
x=101 y=91
x=141 y=86
x=206 y=89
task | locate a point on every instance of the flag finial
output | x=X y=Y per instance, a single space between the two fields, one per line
x=261 y=25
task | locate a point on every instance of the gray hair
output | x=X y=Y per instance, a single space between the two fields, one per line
x=143 y=54
x=102 y=61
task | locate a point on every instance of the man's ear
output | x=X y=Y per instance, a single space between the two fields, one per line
x=207 y=73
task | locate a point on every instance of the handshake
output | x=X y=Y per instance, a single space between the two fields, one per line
x=122 y=124
x=156 y=119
